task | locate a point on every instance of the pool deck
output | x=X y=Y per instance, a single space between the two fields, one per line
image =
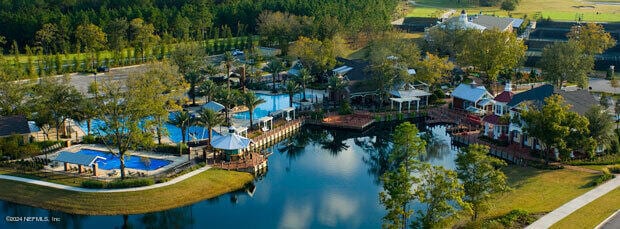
x=175 y=161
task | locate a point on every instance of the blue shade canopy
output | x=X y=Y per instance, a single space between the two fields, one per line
x=214 y=106
x=231 y=141
x=78 y=159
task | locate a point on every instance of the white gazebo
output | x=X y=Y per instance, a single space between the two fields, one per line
x=400 y=102
x=231 y=143
x=262 y=123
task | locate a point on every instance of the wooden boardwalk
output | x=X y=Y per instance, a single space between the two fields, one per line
x=252 y=163
x=512 y=153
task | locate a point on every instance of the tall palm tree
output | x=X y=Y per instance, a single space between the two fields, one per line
x=228 y=61
x=291 y=88
x=251 y=101
x=182 y=120
x=304 y=79
x=209 y=119
x=274 y=67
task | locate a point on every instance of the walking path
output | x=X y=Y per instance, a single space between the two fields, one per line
x=90 y=190
x=558 y=214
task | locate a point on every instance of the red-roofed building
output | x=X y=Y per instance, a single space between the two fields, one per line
x=496 y=124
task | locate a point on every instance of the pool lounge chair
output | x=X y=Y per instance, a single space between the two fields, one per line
x=265 y=129
x=288 y=118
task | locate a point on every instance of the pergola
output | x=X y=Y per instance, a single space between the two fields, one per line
x=262 y=122
x=78 y=159
x=408 y=100
x=286 y=111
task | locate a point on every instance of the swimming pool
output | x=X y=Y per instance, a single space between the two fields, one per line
x=174 y=133
x=133 y=162
x=273 y=103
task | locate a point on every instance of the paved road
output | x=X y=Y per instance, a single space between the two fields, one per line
x=78 y=189
x=558 y=214
x=613 y=222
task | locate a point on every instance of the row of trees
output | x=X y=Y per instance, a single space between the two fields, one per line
x=50 y=24
x=442 y=192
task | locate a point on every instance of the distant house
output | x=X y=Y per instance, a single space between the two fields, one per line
x=14 y=125
x=472 y=98
x=580 y=101
x=480 y=22
x=496 y=124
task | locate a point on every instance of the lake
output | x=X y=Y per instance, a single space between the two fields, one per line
x=317 y=179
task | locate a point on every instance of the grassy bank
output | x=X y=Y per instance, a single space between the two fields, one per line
x=205 y=185
x=593 y=213
x=559 y=10
x=539 y=191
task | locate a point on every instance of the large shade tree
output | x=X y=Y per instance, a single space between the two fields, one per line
x=592 y=38
x=491 y=51
x=566 y=61
x=123 y=111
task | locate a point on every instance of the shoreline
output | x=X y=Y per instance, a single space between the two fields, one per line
x=202 y=186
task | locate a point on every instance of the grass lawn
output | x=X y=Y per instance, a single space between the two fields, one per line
x=539 y=191
x=593 y=213
x=205 y=185
x=559 y=10
x=50 y=177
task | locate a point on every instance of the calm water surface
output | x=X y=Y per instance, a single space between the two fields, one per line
x=317 y=179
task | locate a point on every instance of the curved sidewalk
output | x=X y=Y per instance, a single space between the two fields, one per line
x=558 y=214
x=90 y=190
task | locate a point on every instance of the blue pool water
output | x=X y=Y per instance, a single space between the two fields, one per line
x=133 y=162
x=174 y=133
x=273 y=103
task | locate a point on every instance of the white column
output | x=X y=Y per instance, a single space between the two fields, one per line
x=417 y=106
x=391 y=104
x=400 y=106
x=408 y=105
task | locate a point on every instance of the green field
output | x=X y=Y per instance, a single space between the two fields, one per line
x=593 y=213
x=205 y=185
x=558 y=10
x=539 y=191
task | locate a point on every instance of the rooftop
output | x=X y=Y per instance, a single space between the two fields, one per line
x=16 y=124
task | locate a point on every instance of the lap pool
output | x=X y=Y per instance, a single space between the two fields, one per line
x=133 y=162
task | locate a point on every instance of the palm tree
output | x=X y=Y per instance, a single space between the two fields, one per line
x=251 y=101
x=291 y=89
x=304 y=79
x=208 y=89
x=228 y=61
x=193 y=77
x=274 y=67
x=182 y=120
x=229 y=98
x=336 y=85
x=209 y=119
